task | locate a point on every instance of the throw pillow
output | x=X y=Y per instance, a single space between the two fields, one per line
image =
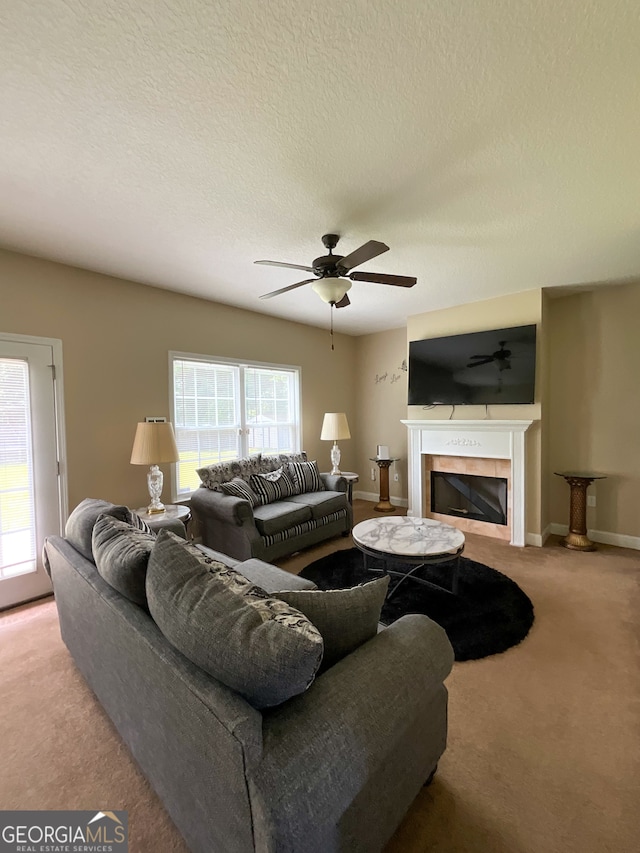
x=121 y=552
x=272 y=463
x=214 y=475
x=305 y=476
x=137 y=521
x=272 y=487
x=79 y=527
x=346 y=618
x=257 y=645
x=239 y=488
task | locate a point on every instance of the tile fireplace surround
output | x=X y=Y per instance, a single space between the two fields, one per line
x=484 y=439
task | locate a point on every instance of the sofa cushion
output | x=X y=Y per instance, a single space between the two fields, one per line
x=274 y=517
x=79 y=527
x=305 y=477
x=213 y=476
x=321 y=503
x=346 y=618
x=275 y=461
x=272 y=486
x=257 y=645
x=121 y=553
x=239 y=488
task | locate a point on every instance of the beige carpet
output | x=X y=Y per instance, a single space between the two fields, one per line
x=544 y=740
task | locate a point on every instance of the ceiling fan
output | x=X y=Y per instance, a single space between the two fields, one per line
x=333 y=274
x=502 y=357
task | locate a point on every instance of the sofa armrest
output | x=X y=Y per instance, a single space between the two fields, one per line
x=380 y=680
x=377 y=717
x=219 y=556
x=271 y=578
x=226 y=523
x=334 y=482
x=226 y=508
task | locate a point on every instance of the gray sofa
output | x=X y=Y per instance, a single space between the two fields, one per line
x=332 y=770
x=232 y=525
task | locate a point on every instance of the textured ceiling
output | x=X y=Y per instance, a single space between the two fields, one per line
x=493 y=145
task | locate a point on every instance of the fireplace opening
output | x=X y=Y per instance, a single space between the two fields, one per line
x=469 y=496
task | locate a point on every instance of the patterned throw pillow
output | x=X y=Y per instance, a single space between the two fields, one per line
x=305 y=476
x=239 y=488
x=254 y=643
x=214 y=475
x=272 y=487
x=272 y=463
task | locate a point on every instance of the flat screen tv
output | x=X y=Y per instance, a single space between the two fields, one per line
x=497 y=367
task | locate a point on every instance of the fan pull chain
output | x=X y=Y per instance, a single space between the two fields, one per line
x=332 y=346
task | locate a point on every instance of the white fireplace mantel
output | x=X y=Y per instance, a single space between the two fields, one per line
x=485 y=439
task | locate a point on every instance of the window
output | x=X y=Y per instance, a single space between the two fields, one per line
x=223 y=410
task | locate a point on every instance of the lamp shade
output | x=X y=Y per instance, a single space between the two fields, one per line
x=334 y=427
x=331 y=289
x=154 y=444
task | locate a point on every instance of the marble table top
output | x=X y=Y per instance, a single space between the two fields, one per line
x=410 y=537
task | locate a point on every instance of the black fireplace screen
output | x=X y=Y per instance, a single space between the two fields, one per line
x=469 y=496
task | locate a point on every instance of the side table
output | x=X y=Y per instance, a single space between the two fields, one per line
x=384 y=504
x=351 y=477
x=168 y=518
x=579 y=481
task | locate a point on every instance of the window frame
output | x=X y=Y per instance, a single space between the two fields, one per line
x=240 y=365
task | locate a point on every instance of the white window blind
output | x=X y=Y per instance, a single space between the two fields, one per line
x=225 y=410
x=17 y=506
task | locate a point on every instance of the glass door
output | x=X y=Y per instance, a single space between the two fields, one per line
x=29 y=470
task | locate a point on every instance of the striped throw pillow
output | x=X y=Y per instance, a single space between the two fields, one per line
x=134 y=520
x=239 y=488
x=272 y=487
x=305 y=476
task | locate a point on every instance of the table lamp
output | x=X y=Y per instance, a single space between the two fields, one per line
x=154 y=444
x=334 y=427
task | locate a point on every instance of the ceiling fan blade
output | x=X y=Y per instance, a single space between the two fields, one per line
x=383 y=278
x=282 y=264
x=343 y=302
x=481 y=356
x=365 y=253
x=478 y=363
x=285 y=289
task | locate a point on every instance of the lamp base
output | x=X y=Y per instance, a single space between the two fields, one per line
x=153 y=509
x=335 y=458
x=155 y=480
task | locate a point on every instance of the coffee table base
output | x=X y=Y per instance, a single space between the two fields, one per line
x=411 y=573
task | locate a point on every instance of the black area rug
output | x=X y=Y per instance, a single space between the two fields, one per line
x=489 y=615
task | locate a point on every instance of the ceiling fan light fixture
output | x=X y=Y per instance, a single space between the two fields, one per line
x=331 y=289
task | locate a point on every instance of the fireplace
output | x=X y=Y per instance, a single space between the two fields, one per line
x=469 y=496
x=483 y=448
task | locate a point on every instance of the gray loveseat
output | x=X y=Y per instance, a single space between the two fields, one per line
x=242 y=528
x=332 y=770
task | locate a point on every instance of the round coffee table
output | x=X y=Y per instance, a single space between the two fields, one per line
x=414 y=542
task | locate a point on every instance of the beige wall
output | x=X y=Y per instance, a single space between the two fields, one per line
x=381 y=404
x=116 y=336
x=517 y=309
x=593 y=415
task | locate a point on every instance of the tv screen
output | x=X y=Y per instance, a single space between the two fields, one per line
x=481 y=368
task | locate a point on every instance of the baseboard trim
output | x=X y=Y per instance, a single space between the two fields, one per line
x=375 y=497
x=620 y=540
x=538 y=539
